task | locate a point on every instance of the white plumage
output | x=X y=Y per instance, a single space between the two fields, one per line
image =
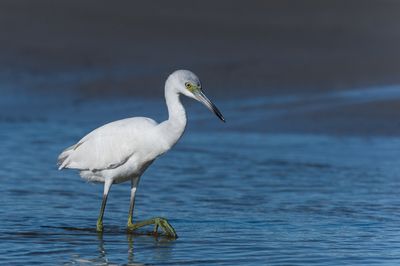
x=122 y=150
x=114 y=151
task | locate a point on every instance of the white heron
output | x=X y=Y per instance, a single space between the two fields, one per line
x=122 y=150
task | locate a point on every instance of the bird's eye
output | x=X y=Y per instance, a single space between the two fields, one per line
x=188 y=85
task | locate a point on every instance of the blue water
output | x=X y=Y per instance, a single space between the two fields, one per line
x=235 y=195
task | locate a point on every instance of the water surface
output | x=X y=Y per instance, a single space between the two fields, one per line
x=235 y=193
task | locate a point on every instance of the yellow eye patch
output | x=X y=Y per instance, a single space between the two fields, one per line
x=190 y=87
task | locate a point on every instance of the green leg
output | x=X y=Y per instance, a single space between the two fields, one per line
x=158 y=221
x=107 y=186
x=99 y=226
x=134 y=184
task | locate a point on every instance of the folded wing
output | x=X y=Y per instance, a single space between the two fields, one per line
x=108 y=146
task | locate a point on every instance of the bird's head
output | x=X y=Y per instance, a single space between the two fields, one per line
x=188 y=84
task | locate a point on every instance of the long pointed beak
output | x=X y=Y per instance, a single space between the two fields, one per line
x=203 y=98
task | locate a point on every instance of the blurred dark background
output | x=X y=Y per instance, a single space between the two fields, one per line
x=238 y=48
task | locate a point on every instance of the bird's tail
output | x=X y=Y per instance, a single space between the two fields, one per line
x=62 y=159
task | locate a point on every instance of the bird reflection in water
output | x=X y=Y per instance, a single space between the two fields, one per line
x=156 y=248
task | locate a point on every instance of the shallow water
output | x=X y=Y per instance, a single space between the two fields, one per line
x=234 y=194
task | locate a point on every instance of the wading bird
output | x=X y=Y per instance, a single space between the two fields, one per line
x=122 y=150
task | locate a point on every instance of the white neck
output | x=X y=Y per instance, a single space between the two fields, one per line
x=173 y=128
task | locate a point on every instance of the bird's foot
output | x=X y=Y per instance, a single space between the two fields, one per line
x=158 y=223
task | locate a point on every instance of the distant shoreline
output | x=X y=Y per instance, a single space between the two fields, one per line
x=269 y=47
